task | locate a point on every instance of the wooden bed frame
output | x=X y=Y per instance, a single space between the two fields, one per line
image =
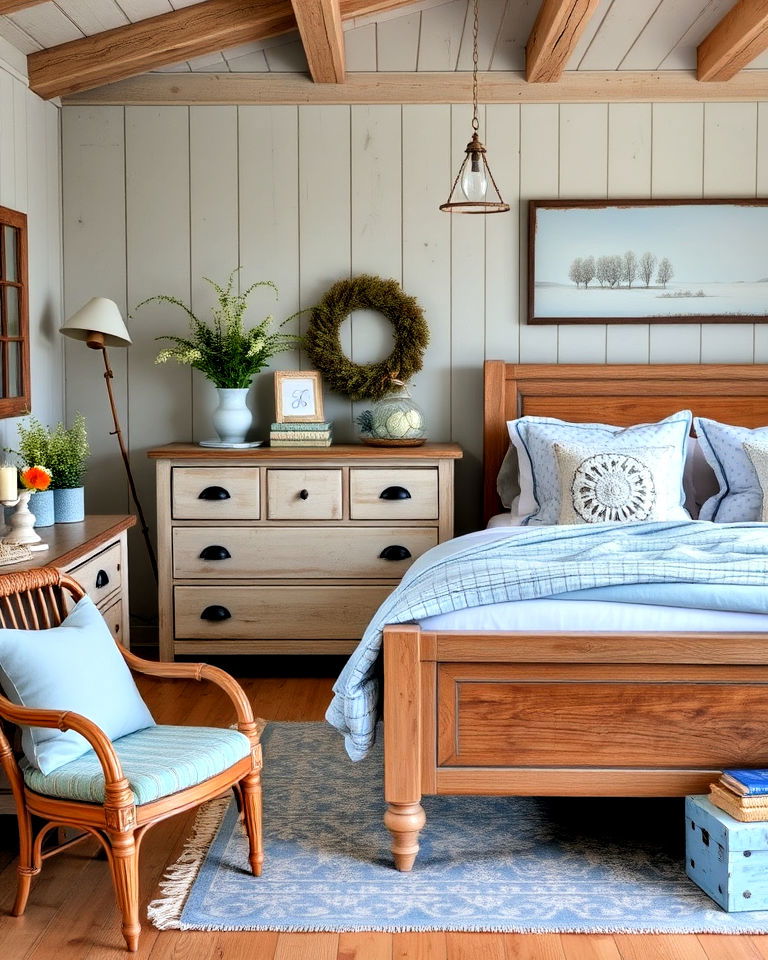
x=578 y=714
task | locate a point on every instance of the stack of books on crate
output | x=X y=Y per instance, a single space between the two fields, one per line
x=742 y=793
x=300 y=434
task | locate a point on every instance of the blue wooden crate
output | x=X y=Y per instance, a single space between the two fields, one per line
x=728 y=859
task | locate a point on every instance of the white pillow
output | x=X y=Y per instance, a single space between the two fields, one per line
x=631 y=485
x=534 y=439
x=739 y=497
x=757 y=451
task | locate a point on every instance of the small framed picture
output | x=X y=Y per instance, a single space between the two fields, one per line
x=298 y=396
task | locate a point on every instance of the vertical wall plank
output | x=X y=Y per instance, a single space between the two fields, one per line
x=441 y=31
x=583 y=173
x=427 y=252
x=93 y=173
x=158 y=249
x=269 y=231
x=7 y=133
x=214 y=247
x=629 y=175
x=539 y=180
x=676 y=171
x=397 y=42
x=324 y=225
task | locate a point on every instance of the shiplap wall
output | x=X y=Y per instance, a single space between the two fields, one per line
x=157 y=197
x=30 y=182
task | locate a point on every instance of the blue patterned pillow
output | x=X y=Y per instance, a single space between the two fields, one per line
x=540 y=434
x=740 y=497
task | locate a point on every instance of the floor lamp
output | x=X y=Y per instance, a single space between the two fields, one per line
x=99 y=324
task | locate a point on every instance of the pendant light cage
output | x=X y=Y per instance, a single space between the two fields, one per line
x=475 y=158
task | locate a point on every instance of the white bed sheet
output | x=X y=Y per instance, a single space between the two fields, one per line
x=574 y=615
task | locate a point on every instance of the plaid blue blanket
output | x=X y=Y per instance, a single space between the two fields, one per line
x=476 y=570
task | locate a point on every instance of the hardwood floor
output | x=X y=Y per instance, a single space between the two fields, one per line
x=71 y=914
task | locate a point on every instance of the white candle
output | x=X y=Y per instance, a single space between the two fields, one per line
x=8 y=483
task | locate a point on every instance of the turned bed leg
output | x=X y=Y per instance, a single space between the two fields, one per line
x=405 y=816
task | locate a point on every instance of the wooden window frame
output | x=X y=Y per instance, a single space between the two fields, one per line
x=18 y=405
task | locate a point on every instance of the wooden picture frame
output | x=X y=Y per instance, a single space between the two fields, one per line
x=298 y=396
x=15 y=394
x=648 y=261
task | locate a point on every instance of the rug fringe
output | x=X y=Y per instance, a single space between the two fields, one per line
x=165 y=912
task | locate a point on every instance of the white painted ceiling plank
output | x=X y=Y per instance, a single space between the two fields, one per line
x=287 y=58
x=683 y=54
x=491 y=16
x=46 y=24
x=588 y=35
x=208 y=63
x=136 y=10
x=666 y=27
x=441 y=32
x=18 y=37
x=360 y=49
x=513 y=35
x=254 y=62
x=617 y=32
x=93 y=16
x=397 y=43
x=182 y=67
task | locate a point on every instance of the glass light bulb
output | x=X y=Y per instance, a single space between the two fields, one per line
x=474 y=183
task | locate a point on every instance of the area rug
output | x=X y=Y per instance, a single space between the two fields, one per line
x=501 y=863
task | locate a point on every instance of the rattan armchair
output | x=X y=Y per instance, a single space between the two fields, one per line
x=39 y=599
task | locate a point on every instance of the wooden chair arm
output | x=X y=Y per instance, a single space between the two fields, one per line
x=201 y=671
x=67 y=720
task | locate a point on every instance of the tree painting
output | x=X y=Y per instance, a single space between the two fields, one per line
x=616 y=270
x=629 y=268
x=647 y=266
x=665 y=273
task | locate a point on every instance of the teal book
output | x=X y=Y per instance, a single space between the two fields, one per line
x=322 y=426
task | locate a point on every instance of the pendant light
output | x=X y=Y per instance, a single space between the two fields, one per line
x=475 y=175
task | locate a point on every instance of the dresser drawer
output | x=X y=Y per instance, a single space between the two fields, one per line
x=334 y=553
x=113 y=617
x=283 y=613
x=304 y=494
x=396 y=494
x=101 y=575
x=215 y=493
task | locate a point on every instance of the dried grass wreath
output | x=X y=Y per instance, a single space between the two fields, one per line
x=370 y=381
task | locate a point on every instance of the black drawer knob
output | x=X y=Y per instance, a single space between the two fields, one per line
x=214 y=493
x=215 y=612
x=394 y=493
x=304 y=494
x=215 y=552
x=395 y=552
x=102 y=579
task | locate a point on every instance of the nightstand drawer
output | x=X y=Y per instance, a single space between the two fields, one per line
x=113 y=617
x=215 y=493
x=284 y=552
x=101 y=575
x=304 y=494
x=396 y=494
x=287 y=613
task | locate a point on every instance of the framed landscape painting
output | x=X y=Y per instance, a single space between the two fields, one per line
x=648 y=261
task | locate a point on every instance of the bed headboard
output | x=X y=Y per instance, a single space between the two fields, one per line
x=621 y=394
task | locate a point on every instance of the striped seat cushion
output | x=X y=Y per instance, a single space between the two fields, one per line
x=157 y=761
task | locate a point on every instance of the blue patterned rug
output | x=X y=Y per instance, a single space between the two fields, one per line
x=506 y=864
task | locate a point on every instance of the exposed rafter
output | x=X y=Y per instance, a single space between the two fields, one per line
x=319 y=23
x=576 y=86
x=554 y=36
x=740 y=37
x=12 y=6
x=170 y=38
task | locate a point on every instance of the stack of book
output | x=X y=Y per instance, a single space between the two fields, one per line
x=742 y=793
x=299 y=434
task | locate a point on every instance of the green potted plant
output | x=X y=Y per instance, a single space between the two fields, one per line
x=67 y=458
x=226 y=353
x=34 y=449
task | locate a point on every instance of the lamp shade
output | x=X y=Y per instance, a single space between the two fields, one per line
x=98 y=316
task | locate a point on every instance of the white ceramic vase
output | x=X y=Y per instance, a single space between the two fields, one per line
x=232 y=418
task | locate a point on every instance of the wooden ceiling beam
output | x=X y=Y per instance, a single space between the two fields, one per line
x=13 y=6
x=575 y=86
x=740 y=37
x=322 y=36
x=554 y=36
x=170 y=38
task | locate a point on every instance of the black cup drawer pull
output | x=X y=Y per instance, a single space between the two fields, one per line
x=394 y=493
x=304 y=494
x=214 y=493
x=395 y=552
x=215 y=552
x=215 y=612
x=102 y=579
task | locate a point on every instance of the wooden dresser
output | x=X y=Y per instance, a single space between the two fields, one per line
x=290 y=551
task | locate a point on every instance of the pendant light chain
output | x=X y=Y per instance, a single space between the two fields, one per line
x=475 y=31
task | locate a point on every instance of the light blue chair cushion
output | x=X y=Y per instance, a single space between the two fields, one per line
x=77 y=667
x=156 y=761
x=740 y=497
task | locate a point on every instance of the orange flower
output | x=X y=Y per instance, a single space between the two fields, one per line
x=36 y=478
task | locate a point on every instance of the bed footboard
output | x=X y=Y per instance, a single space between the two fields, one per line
x=565 y=715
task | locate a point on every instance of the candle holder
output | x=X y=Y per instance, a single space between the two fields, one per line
x=22 y=523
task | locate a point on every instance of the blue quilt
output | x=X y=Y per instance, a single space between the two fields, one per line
x=728 y=562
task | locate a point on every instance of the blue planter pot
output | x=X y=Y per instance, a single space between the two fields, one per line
x=69 y=505
x=41 y=504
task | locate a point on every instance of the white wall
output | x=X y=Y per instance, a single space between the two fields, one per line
x=30 y=182
x=157 y=197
